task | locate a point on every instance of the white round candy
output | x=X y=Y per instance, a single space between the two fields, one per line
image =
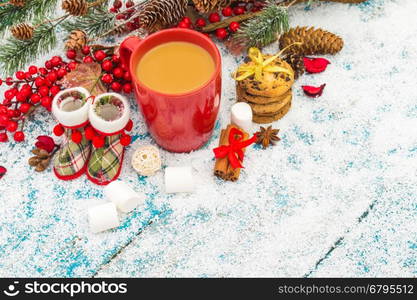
x=146 y=160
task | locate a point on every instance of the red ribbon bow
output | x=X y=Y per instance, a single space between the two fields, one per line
x=234 y=150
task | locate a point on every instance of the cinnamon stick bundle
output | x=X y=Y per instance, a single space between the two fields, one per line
x=222 y=168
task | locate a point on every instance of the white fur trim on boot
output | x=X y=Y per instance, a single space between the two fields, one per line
x=109 y=126
x=75 y=117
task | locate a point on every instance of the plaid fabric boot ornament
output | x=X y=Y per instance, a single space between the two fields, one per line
x=70 y=108
x=109 y=118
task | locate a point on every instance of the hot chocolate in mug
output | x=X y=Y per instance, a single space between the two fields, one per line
x=178 y=121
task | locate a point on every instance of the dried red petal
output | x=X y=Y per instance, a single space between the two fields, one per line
x=3 y=171
x=313 y=91
x=46 y=143
x=315 y=65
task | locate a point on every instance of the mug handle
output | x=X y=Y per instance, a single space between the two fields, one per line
x=126 y=49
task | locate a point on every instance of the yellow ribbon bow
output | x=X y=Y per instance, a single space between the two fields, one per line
x=259 y=66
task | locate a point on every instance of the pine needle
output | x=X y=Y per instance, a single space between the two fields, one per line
x=11 y=15
x=15 y=54
x=95 y=23
x=265 y=28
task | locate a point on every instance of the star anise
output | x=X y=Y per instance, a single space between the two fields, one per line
x=267 y=136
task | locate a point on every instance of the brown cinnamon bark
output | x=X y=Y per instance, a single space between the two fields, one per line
x=222 y=167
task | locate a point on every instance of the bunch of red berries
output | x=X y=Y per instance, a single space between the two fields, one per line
x=28 y=90
x=115 y=74
x=125 y=14
x=223 y=33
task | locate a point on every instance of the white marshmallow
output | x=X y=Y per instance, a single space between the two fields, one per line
x=123 y=196
x=103 y=217
x=241 y=115
x=179 y=180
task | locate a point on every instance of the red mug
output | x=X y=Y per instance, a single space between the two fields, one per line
x=177 y=122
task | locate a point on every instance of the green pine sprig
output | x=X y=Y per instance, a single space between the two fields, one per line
x=15 y=54
x=95 y=23
x=264 y=29
x=11 y=15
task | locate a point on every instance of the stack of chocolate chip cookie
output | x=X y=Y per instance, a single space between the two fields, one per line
x=270 y=97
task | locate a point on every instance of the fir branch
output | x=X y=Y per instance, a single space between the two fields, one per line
x=11 y=15
x=96 y=22
x=264 y=28
x=15 y=54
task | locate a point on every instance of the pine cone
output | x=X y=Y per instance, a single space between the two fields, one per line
x=76 y=40
x=205 y=6
x=22 y=31
x=314 y=41
x=158 y=14
x=296 y=62
x=19 y=3
x=75 y=7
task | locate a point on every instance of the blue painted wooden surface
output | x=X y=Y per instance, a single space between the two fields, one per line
x=336 y=197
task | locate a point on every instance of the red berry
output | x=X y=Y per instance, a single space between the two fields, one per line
x=98 y=141
x=52 y=76
x=234 y=26
x=182 y=24
x=129 y=125
x=3 y=120
x=35 y=98
x=1 y=82
x=118 y=72
x=129 y=3
x=238 y=10
x=19 y=136
x=58 y=130
x=107 y=78
x=125 y=140
x=115 y=58
x=25 y=107
x=9 y=94
x=43 y=91
x=46 y=102
x=85 y=50
x=20 y=75
x=107 y=65
x=61 y=72
x=100 y=55
x=3 y=137
x=115 y=86
x=48 y=64
x=71 y=53
x=56 y=61
x=120 y=17
x=10 y=113
x=186 y=20
x=200 y=22
x=43 y=71
x=113 y=10
x=88 y=59
x=123 y=66
x=11 y=126
x=72 y=65
x=76 y=136
x=39 y=81
x=48 y=82
x=127 y=76
x=227 y=11
x=127 y=88
x=3 y=110
x=221 y=33
x=54 y=90
x=28 y=76
x=9 y=80
x=117 y=4
x=90 y=133
x=214 y=17
x=21 y=97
